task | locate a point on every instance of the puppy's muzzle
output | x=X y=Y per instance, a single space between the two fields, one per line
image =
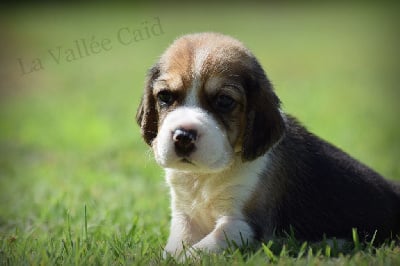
x=184 y=140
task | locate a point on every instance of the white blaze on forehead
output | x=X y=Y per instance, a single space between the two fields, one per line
x=193 y=94
x=200 y=57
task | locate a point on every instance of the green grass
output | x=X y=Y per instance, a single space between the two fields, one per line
x=79 y=186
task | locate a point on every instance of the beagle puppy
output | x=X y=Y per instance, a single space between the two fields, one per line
x=240 y=169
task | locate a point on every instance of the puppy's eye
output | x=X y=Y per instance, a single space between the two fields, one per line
x=224 y=103
x=165 y=98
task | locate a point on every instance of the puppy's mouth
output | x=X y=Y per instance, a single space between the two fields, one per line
x=186 y=161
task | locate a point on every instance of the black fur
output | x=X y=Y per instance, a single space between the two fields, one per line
x=322 y=191
x=146 y=115
x=265 y=125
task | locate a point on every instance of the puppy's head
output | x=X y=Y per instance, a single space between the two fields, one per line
x=206 y=102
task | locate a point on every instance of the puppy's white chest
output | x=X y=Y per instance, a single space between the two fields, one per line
x=203 y=201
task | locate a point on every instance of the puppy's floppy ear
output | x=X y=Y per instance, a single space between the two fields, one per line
x=147 y=116
x=265 y=125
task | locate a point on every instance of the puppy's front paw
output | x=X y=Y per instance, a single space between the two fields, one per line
x=182 y=255
x=172 y=250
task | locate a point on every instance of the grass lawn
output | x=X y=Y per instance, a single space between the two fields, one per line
x=77 y=183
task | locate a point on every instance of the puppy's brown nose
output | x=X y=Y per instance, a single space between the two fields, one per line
x=184 y=141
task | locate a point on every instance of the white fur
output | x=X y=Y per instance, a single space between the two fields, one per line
x=191 y=99
x=213 y=150
x=207 y=208
x=199 y=59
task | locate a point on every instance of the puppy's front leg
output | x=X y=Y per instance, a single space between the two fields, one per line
x=180 y=234
x=228 y=229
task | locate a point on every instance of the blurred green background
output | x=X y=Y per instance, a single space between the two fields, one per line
x=68 y=137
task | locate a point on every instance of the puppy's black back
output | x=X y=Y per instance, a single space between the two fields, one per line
x=323 y=191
